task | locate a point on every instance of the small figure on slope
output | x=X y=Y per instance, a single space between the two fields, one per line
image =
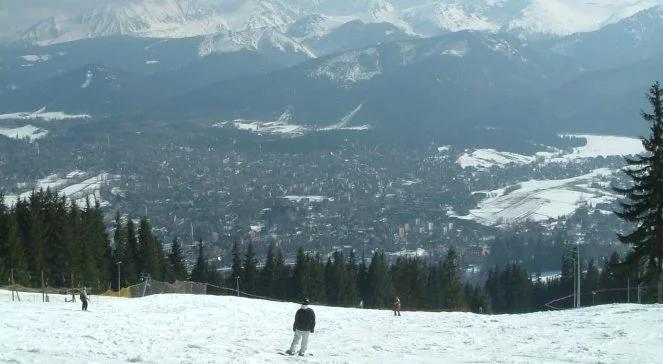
x=84 y=298
x=303 y=326
x=397 y=306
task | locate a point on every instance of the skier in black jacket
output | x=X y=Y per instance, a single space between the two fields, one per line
x=303 y=326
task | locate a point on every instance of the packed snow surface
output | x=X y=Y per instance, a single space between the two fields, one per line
x=275 y=127
x=284 y=125
x=36 y=58
x=24 y=132
x=43 y=115
x=486 y=158
x=540 y=200
x=310 y=198
x=600 y=146
x=77 y=186
x=209 y=329
x=597 y=146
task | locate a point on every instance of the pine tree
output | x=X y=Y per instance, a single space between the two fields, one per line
x=267 y=275
x=315 y=284
x=350 y=290
x=453 y=296
x=16 y=260
x=101 y=248
x=480 y=302
x=250 y=271
x=237 y=270
x=281 y=277
x=568 y=273
x=518 y=289
x=130 y=255
x=200 y=269
x=609 y=279
x=335 y=277
x=362 y=279
x=378 y=282
x=149 y=251
x=36 y=241
x=299 y=276
x=88 y=268
x=434 y=287
x=176 y=259
x=644 y=199
x=494 y=289
x=409 y=278
x=120 y=243
x=590 y=282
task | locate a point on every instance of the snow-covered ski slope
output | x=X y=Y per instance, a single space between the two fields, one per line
x=209 y=329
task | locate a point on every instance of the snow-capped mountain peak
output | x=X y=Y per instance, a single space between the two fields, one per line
x=252 y=39
x=303 y=19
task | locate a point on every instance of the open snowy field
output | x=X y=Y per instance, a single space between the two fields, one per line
x=29 y=132
x=208 y=329
x=76 y=185
x=43 y=115
x=596 y=146
x=541 y=200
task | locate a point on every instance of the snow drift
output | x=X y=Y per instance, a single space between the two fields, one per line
x=196 y=329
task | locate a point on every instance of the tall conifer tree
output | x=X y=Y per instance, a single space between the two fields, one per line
x=250 y=271
x=644 y=199
x=200 y=269
x=176 y=260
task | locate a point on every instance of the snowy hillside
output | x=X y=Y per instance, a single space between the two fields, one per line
x=197 y=329
x=596 y=146
x=189 y=18
x=541 y=200
x=77 y=186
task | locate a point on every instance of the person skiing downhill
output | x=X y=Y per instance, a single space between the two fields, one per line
x=397 y=306
x=84 y=298
x=303 y=326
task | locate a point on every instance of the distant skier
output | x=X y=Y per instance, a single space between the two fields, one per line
x=303 y=326
x=84 y=298
x=361 y=304
x=397 y=306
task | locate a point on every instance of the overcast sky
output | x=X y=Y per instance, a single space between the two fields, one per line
x=20 y=14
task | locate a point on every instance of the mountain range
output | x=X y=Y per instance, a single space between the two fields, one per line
x=533 y=65
x=190 y=18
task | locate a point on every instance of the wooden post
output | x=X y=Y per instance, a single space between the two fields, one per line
x=660 y=288
x=73 y=297
x=14 y=288
x=43 y=289
x=12 y=283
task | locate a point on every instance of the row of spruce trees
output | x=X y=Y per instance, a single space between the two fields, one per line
x=70 y=246
x=420 y=285
x=348 y=281
x=47 y=237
